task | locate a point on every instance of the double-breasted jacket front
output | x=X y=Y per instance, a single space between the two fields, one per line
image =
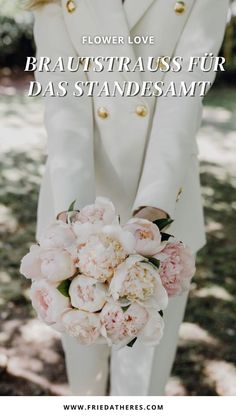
x=136 y=150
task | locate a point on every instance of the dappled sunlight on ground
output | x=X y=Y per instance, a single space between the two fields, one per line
x=191 y=332
x=214 y=291
x=217 y=138
x=208 y=332
x=31 y=356
x=222 y=375
x=175 y=387
x=31 y=351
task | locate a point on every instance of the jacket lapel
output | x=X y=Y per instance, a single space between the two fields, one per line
x=135 y=9
x=101 y=18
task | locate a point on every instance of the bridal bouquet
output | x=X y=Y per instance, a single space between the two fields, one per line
x=102 y=282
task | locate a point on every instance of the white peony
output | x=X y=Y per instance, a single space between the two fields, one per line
x=87 y=293
x=152 y=333
x=30 y=265
x=58 y=235
x=104 y=251
x=84 y=231
x=82 y=325
x=55 y=265
x=137 y=280
x=147 y=236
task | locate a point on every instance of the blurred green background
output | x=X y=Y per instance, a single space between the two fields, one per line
x=16 y=34
x=16 y=40
x=31 y=357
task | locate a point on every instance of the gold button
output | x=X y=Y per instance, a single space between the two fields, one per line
x=179 y=193
x=70 y=5
x=141 y=110
x=160 y=64
x=180 y=7
x=103 y=112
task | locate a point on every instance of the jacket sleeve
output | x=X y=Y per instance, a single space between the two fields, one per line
x=176 y=119
x=68 y=120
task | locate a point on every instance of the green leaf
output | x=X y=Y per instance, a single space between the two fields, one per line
x=130 y=344
x=154 y=262
x=163 y=223
x=71 y=207
x=165 y=236
x=125 y=308
x=144 y=261
x=64 y=286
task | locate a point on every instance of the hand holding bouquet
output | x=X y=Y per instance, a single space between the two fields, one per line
x=101 y=282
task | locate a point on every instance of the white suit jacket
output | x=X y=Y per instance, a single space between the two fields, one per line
x=135 y=160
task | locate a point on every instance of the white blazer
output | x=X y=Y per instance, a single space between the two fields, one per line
x=136 y=160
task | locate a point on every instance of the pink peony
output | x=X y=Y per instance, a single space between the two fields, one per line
x=119 y=328
x=48 y=302
x=135 y=319
x=58 y=235
x=112 y=321
x=54 y=265
x=101 y=212
x=87 y=293
x=82 y=325
x=177 y=267
x=147 y=236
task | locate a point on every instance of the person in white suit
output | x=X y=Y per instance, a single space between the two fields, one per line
x=141 y=152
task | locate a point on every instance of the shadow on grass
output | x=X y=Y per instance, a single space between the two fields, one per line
x=27 y=365
x=212 y=303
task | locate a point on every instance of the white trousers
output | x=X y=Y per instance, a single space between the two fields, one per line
x=137 y=371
